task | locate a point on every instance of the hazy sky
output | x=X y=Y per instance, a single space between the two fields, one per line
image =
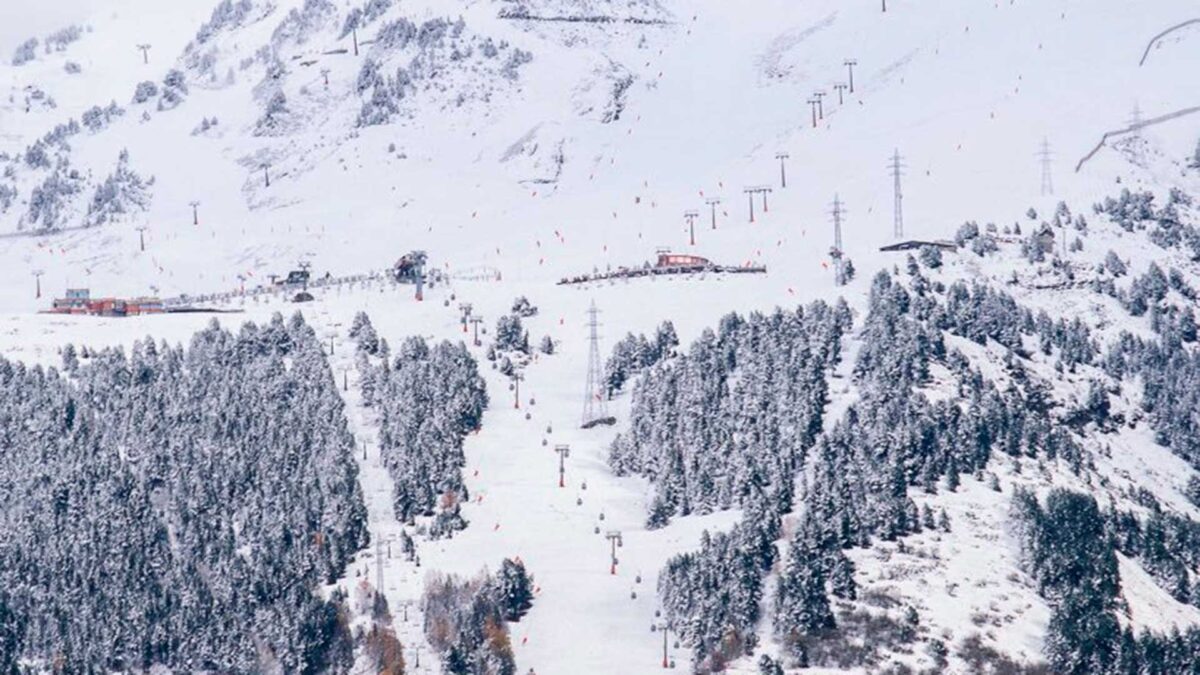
x=20 y=19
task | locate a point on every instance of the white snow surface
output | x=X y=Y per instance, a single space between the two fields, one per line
x=965 y=90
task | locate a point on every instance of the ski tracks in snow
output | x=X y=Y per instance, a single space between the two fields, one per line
x=402 y=580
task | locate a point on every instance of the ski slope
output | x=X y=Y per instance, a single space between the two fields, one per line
x=965 y=91
x=730 y=95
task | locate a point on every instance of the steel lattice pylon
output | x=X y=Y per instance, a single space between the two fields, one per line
x=595 y=405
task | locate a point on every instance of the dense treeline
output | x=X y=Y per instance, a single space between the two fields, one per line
x=429 y=399
x=816 y=567
x=894 y=437
x=726 y=424
x=1167 y=545
x=465 y=620
x=178 y=507
x=711 y=596
x=634 y=353
x=1168 y=367
x=860 y=470
x=739 y=409
x=978 y=312
x=1168 y=371
x=407 y=58
x=1136 y=211
x=1070 y=553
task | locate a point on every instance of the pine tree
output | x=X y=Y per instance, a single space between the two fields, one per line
x=801 y=605
x=931 y=256
x=514 y=590
x=510 y=335
x=769 y=666
x=841 y=577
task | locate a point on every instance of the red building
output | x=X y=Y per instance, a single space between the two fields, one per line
x=681 y=260
x=79 y=301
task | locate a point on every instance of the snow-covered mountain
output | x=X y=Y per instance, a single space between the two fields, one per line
x=891 y=479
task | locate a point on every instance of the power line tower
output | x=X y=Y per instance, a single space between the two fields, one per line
x=782 y=157
x=820 y=97
x=812 y=103
x=1045 y=156
x=841 y=90
x=836 y=252
x=1136 y=121
x=595 y=408
x=712 y=204
x=850 y=63
x=195 y=212
x=897 y=169
x=145 y=53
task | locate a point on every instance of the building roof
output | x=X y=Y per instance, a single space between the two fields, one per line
x=919 y=243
